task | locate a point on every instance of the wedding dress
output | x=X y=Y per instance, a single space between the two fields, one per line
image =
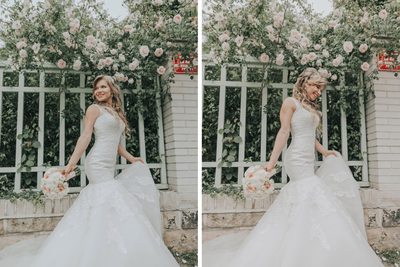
x=113 y=222
x=315 y=221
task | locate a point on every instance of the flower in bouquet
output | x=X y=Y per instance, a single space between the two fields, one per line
x=54 y=182
x=257 y=182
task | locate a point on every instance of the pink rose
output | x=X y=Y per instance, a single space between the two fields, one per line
x=16 y=25
x=363 y=48
x=264 y=58
x=317 y=47
x=74 y=25
x=223 y=37
x=177 y=19
x=21 y=44
x=383 y=14
x=278 y=19
x=225 y=46
x=36 y=48
x=312 y=56
x=134 y=64
x=365 y=66
x=90 y=41
x=77 y=65
x=128 y=28
x=23 y=54
x=61 y=64
x=158 y=52
x=108 y=61
x=239 y=40
x=121 y=57
x=337 y=61
x=279 y=59
x=144 y=50
x=348 y=47
x=161 y=70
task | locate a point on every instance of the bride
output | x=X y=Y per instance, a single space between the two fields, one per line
x=114 y=221
x=317 y=219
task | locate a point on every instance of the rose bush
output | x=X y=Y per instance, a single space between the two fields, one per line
x=83 y=36
x=290 y=33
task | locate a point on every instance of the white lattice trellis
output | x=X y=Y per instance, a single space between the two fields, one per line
x=223 y=85
x=21 y=89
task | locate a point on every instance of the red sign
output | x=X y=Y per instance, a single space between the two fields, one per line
x=181 y=66
x=387 y=63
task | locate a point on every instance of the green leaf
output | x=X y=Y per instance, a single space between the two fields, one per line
x=36 y=144
x=230 y=158
x=19 y=136
x=237 y=139
x=221 y=131
x=29 y=163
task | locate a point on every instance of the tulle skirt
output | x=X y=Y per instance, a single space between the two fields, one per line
x=112 y=223
x=316 y=221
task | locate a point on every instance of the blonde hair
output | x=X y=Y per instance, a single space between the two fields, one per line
x=116 y=103
x=300 y=93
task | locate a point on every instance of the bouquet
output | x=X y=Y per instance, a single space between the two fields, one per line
x=257 y=182
x=54 y=182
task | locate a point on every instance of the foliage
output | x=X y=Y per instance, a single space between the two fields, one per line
x=6 y=192
x=390 y=256
x=231 y=190
x=186 y=259
x=275 y=32
x=80 y=35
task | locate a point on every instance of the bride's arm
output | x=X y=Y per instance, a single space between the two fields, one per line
x=90 y=117
x=122 y=152
x=286 y=113
x=322 y=149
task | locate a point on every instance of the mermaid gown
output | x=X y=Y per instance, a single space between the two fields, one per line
x=316 y=220
x=115 y=221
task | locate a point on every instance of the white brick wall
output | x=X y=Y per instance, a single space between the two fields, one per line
x=180 y=131
x=383 y=136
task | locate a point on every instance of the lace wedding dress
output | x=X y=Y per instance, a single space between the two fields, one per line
x=113 y=222
x=316 y=220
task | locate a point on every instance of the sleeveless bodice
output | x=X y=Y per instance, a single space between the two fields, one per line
x=101 y=160
x=300 y=156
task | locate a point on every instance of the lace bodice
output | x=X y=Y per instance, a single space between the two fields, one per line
x=101 y=160
x=300 y=156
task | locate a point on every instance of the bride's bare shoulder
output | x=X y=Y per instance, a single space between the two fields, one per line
x=93 y=110
x=289 y=104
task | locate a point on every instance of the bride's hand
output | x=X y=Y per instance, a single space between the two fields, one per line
x=329 y=152
x=137 y=159
x=68 y=169
x=269 y=166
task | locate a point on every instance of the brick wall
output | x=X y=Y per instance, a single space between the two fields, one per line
x=180 y=126
x=383 y=136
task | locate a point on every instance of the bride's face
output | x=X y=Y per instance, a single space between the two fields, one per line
x=313 y=90
x=102 y=92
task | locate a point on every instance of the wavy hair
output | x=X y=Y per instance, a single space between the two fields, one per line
x=116 y=103
x=300 y=92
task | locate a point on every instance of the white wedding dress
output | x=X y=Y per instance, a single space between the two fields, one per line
x=115 y=221
x=315 y=221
